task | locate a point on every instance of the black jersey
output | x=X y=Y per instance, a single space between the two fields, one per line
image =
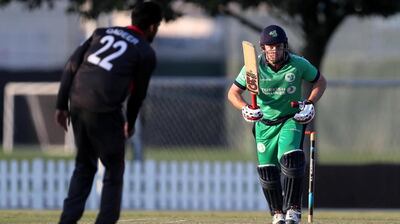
x=113 y=63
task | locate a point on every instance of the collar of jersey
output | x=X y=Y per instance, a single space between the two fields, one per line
x=136 y=30
x=266 y=65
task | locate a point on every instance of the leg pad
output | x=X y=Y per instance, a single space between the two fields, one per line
x=293 y=170
x=269 y=176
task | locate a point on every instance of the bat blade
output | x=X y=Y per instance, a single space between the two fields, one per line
x=250 y=64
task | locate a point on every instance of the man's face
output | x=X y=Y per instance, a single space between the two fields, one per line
x=274 y=52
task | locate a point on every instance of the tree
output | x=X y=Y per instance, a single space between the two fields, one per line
x=317 y=19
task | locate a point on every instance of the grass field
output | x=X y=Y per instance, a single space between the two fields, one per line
x=320 y=216
x=211 y=154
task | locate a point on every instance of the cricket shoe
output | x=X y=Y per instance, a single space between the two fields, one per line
x=293 y=216
x=278 y=218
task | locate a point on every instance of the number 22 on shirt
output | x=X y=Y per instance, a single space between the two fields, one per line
x=108 y=41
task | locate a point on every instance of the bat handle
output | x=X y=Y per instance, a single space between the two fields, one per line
x=294 y=104
x=254 y=101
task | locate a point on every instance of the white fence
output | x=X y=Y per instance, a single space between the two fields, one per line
x=150 y=185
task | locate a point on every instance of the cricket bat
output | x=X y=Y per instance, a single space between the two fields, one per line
x=250 y=64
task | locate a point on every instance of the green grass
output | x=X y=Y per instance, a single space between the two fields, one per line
x=33 y=153
x=331 y=157
x=320 y=217
x=202 y=154
x=179 y=154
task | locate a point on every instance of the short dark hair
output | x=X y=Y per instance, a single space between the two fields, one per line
x=145 y=14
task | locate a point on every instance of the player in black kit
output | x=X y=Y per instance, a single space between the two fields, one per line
x=113 y=64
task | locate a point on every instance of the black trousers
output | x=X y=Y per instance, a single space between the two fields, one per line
x=97 y=135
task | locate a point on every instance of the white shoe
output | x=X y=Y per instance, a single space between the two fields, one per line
x=293 y=216
x=278 y=218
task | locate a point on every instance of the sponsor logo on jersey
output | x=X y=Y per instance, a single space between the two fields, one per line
x=265 y=79
x=291 y=89
x=273 y=91
x=260 y=147
x=290 y=77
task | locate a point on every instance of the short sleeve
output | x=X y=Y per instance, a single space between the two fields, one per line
x=310 y=73
x=241 y=78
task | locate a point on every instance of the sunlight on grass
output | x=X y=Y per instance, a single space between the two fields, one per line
x=324 y=157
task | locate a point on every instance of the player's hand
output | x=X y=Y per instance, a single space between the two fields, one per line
x=62 y=119
x=251 y=114
x=128 y=133
x=306 y=113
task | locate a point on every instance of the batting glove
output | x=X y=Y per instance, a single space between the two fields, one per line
x=251 y=115
x=306 y=113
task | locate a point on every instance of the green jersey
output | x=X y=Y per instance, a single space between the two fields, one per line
x=278 y=88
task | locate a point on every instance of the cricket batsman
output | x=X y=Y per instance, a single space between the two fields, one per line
x=279 y=128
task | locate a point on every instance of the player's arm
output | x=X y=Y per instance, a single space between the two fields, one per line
x=235 y=96
x=317 y=89
x=307 y=111
x=70 y=69
x=139 y=88
x=249 y=113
